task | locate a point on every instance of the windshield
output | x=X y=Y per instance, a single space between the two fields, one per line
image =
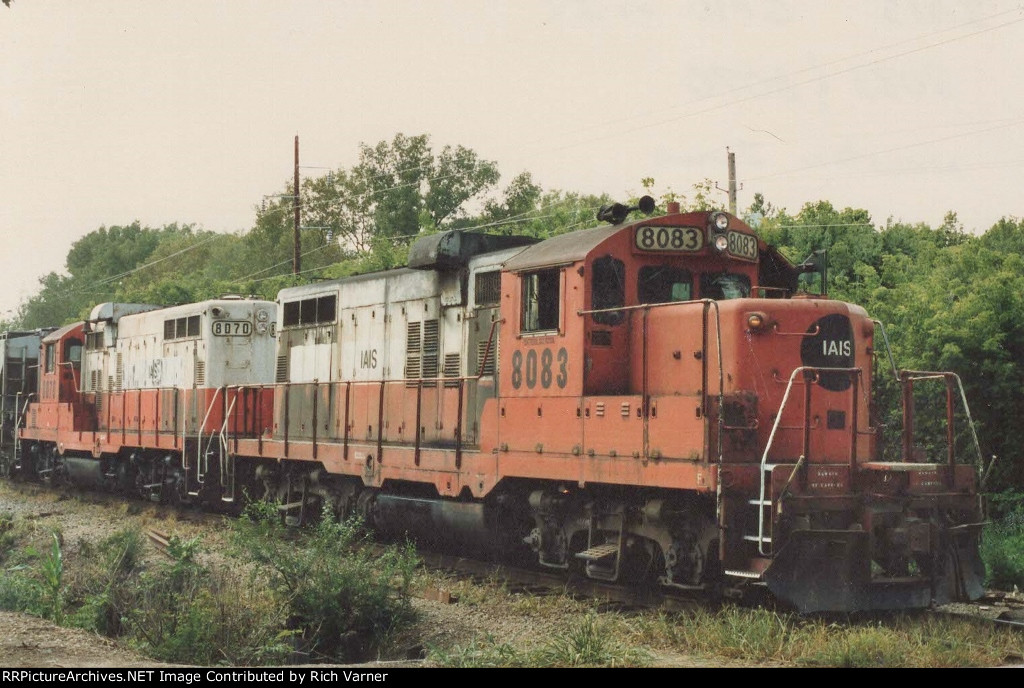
x=724 y=286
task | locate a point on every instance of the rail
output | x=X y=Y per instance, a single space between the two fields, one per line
x=200 y=474
x=707 y=305
x=907 y=378
x=225 y=459
x=854 y=374
x=457 y=383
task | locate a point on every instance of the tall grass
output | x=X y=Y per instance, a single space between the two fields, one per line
x=283 y=596
x=587 y=641
x=763 y=636
x=1002 y=550
x=343 y=599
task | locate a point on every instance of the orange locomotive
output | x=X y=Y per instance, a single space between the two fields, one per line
x=641 y=401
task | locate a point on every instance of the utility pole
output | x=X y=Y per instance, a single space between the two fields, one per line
x=732 y=181
x=732 y=178
x=296 y=266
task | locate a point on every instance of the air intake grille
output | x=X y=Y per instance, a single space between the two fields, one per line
x=491 y=364
x=451 y=368
x=431 y=350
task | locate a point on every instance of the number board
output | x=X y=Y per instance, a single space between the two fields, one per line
x=685 y=239
x=232 y=328
x=743 y=245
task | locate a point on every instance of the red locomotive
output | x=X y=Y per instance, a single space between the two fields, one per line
x=641 y=401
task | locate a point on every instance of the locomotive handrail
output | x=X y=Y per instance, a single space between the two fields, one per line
x=440 y=378
x=21 y=421
x=771 y=441
x=224 y=445
x=645 y=306
x=888 y=349
x=199 y=434
x=915 y=375
x=707 y=303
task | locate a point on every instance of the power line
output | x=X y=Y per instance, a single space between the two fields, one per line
x=894 y=149
x=797 y=72
x=805 y=82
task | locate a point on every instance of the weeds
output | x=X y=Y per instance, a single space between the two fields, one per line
x=52 y=590
x=343 y=600
x=1002 y=549
x=321 y=593
x=588 y=641
x=190 y=613
x=764 y=636
x=106 y=584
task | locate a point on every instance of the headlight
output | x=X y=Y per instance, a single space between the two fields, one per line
x=262 y=316
x=721 y=242
x=720 y=220
x=261 y=328
x=757 y=321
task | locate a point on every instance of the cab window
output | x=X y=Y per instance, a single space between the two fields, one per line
x=540 y=301
x=73 y=352
x=724 y=286
x=608 y=289
x=664 y=284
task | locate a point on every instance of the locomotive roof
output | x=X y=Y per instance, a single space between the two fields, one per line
x=61 y=331
x=327 y=285
x=561 y=249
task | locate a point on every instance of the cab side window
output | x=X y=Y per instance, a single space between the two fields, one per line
x=73 y=352
x=540 y=299
x=608 y=289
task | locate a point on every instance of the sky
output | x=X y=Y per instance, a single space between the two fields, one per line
x=114 y=111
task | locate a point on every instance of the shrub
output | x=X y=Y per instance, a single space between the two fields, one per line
x=186 y=612
x=1002 y=549
x=343 y=599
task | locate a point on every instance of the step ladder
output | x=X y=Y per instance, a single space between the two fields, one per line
x=294 y=513
x=763 y=507
x=603 y=558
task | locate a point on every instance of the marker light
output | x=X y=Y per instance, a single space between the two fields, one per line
x=757 y=321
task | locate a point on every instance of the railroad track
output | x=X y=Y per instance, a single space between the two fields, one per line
x=537 y=582
x=998 y=608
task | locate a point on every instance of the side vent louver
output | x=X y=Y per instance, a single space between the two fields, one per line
x=412 y=352
x=451 y=368
x=431 y=350
x=200 y=373
x=119 y=381
x=491 y=364
x=282 y=369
